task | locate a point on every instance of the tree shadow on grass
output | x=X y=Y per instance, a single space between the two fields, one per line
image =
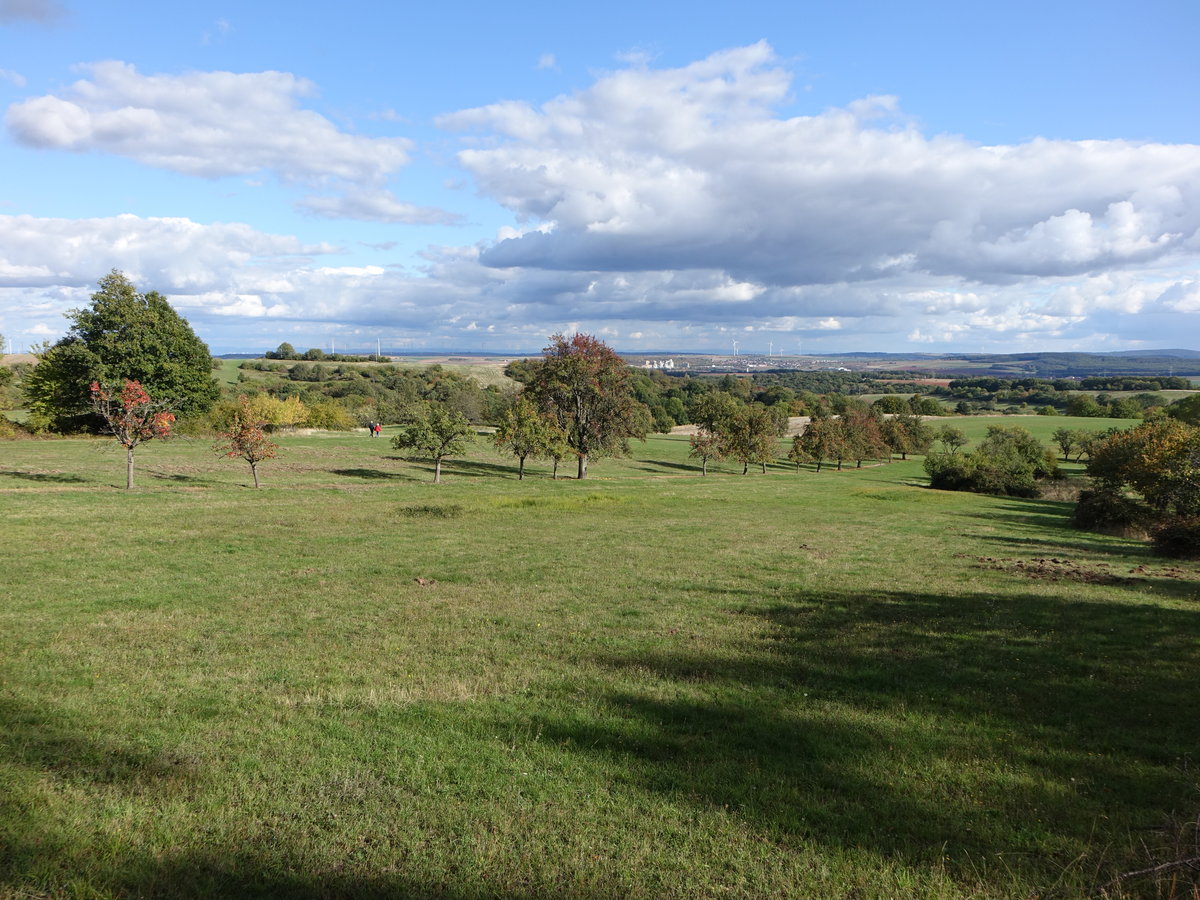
x=42 y=749
x=1048 y=522
x=926 y=727
x=181 y=479
x=234 y=871
x=372 y=474
x=38 y=738
x=654 y=465
x=46 y=477
x=1060 y=535
x=470 y=468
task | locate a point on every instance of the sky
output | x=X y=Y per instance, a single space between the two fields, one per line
x=796 y=177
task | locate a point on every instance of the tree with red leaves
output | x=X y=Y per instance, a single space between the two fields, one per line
x=584 y=385
x=132 y=417
x=246 y=439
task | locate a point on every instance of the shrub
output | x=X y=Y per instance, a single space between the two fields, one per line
x=10 y=430
x=949 y=472
x=1178 y=537
x=1009 y=461
x=1099 y=509
x=331 y=416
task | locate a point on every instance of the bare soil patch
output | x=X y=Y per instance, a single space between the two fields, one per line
x=1061 y=569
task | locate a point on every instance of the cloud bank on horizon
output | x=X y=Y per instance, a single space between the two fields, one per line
x=671 y=207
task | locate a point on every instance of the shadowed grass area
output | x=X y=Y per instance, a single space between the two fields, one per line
x=640 y=685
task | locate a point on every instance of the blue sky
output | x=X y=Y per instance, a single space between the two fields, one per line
x=811 y=177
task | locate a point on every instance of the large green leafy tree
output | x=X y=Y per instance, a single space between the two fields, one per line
x=121 y=335
x=585 y=386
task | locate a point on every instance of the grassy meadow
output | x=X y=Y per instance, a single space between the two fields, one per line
x=353 y=682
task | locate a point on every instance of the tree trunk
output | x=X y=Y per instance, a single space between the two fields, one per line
x=704 y=465
x=839 y=465
x=582 y=466
x=764 y=465
x=554 y=475
x=521 y=469
x=745 y=467
x=818 y=466
x=437 y=470
x=129 y=468
x=254 y=472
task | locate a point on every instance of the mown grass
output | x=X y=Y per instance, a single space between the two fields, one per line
x=647 y=684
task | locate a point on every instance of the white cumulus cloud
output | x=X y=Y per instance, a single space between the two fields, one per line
x=215 y=124
x=693 y=167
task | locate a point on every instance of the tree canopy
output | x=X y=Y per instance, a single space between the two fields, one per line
x=122 y=335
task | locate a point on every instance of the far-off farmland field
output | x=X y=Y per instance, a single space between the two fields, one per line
x=354 y=682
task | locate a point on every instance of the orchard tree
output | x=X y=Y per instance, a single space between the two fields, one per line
x=862 y=436
x=705 y=446
x=752 y=434
x=711 y=411
x=436 y=433
x=131 y=417
x=711 y=414
x=952 y=439
x=121 y=336
x=245 y=438
x=905 y=433
x=524 y=431
x=823 y=439
x=799 y=452
x=585 y=386
x=1065 y=438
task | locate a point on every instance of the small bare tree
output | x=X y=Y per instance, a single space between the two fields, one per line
x=132 y=417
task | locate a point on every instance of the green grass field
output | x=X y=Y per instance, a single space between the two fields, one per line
x=646 y=684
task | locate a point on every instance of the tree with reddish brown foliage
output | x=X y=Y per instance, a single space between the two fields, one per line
x=132 y=417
